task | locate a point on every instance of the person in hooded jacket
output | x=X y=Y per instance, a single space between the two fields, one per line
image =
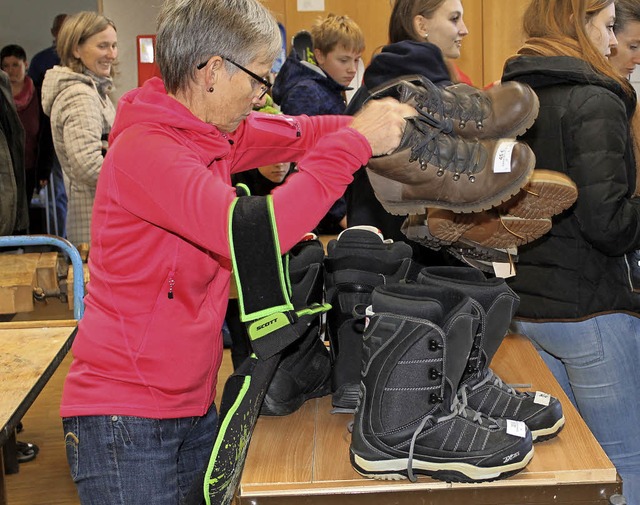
x=13 y=60
x=579 y=303
x=422 y=33
x=14 y=206
x=316 y=88
x=138 y=402
x=75 y=95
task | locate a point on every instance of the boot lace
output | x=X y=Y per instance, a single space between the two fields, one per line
x=458 y=408
x=468 y=104
x=489 y=378
x=431 y=135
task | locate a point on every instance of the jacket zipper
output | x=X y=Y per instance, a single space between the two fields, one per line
x=172 y=273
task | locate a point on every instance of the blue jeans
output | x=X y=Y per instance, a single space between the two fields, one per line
x=59 y=206
x=597 y=363
x=123 y=460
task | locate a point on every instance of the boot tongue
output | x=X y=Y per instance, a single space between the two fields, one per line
x=409 y=300
x=460 y=333
x=497 y=299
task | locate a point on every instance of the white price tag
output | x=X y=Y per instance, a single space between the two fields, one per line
x=368 y=313
x=502 y=160
x=504 y=270
x=542 y=398
x=516 y=428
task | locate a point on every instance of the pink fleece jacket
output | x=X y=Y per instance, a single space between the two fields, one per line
x=150 y=343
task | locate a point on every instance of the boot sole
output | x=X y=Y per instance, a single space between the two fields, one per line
x=346 y=397
x=511 y=231
x=546 y=433
x=415 y=228
x=396 y=469
x=546 y=194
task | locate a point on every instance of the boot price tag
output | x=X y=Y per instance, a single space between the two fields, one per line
x=542 y=398
x=369 y=313
x=502 y=159
x=504 y=270
x=516 y=428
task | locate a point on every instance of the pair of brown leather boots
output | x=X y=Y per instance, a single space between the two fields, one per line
x=459 y=173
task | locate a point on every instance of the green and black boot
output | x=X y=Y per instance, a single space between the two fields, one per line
x=304 y=371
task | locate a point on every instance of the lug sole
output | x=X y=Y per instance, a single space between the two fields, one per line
x=396 y=469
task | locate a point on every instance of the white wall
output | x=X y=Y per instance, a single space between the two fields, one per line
x=635 y=80
x=132 y=18
x=28 y=23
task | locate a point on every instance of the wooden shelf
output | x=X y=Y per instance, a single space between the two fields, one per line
x=306 y=454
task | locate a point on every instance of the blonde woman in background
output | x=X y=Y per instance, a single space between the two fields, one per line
x=75 y=96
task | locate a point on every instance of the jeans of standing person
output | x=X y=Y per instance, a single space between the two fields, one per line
x=597 y=364
x=60 y=204
x=125 y=460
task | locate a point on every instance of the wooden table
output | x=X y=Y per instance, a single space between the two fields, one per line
x=303 y=458
x=30 y=353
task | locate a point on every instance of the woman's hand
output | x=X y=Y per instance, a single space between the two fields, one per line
x=382 y=122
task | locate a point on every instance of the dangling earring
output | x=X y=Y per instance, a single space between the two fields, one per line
x=426 y=36
x=210 y=90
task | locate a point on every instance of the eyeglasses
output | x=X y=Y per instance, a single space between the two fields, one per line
x=266 y=85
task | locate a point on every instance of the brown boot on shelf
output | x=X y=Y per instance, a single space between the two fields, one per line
x=505 y=110
x=546 y=194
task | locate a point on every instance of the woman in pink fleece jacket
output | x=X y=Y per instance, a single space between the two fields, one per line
x=137 y=406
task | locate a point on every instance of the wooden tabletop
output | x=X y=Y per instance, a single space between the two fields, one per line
x=31 y=351
x=307 y=454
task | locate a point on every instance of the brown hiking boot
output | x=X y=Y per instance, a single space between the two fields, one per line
x=505 y=110
x=433 y=169
x=465 y=250
x=546 y=194
x=488 y=229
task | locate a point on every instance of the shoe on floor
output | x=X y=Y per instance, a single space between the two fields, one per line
x=26 y=451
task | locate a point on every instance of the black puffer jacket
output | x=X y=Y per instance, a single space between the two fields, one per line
x=579 y=270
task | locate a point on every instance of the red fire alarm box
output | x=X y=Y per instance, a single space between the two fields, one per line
x=147 y=67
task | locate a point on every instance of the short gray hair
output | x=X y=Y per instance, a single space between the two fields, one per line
x=192 y=31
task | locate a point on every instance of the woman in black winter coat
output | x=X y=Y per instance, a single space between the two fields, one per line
x=579 y=300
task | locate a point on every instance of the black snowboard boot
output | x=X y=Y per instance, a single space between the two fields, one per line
x=482 y=388
x=357 y=262
x=409 y=419
x=305 y=369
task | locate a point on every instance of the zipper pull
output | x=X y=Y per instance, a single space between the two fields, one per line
x=170 y=293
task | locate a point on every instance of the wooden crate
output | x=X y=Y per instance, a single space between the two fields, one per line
x=20 y=274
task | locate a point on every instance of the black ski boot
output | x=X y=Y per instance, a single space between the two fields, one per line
x=358 y=261
x=482 y=388
x=409 y=419
x=305 y=369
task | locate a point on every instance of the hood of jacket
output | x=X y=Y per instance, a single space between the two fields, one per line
x=540 y=72
x=60 y=78
x=407 y=58
x=294 y=71
x=151 y=104
x=401 y=59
